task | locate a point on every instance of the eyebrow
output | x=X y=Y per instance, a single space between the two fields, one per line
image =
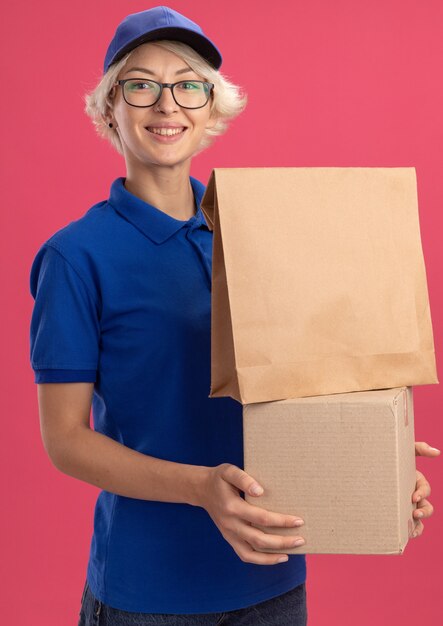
x=184 y=70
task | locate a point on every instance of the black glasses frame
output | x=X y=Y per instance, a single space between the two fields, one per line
x=162 y=86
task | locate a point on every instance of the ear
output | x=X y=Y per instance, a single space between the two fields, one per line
x=106 y=119
x=108 y=115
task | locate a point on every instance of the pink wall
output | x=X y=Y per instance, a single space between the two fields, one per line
x=360 y=85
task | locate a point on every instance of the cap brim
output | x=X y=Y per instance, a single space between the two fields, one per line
x=202 y=45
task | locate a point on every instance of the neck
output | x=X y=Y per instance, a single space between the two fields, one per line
x=168 y=189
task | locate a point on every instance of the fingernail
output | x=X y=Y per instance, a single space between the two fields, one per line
x=419 y=514
x=282 y=559
x=436 y=449
x=297 y=522
x=256 y=490
x=298 y=542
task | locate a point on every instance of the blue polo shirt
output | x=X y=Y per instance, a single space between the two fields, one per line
x=123 y=300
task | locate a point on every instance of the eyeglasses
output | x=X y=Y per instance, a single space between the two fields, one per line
x=189 y=94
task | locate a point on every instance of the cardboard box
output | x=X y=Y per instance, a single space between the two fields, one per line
x=344 y=463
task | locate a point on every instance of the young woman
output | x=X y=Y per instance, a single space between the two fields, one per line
x=121 y=322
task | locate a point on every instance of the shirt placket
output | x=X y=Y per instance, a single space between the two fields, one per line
x=205 y=259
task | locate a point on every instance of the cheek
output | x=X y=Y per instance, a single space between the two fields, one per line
x=131 y=125
x=199 y=121
x=126 y=116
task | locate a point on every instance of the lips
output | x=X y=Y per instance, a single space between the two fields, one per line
x=166 y=138
x=159 y=128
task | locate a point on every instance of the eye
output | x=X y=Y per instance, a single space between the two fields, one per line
x=139 y=85
x=189 y=85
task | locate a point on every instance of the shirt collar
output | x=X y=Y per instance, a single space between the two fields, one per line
x=155 y=224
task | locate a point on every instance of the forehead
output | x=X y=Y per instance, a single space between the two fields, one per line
x=156 y=55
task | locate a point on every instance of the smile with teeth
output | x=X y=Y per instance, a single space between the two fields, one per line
x=166 y=131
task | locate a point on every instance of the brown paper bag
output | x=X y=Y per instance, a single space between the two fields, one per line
x=318 y=282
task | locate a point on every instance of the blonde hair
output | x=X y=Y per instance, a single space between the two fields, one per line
x=228 y=100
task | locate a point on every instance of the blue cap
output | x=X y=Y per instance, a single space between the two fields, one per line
x=159 y=23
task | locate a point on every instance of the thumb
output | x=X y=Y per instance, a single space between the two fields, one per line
x=242 y=480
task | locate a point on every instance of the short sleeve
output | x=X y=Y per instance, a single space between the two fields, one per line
x=65 y=328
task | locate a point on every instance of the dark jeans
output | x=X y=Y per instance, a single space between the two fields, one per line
x=287 y=609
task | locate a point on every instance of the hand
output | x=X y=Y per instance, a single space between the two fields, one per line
x=422 y=489
x=233 y=516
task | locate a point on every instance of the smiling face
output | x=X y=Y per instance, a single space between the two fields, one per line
x=142 y=147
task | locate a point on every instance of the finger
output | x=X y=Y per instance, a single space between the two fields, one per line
x=422 y=488
x=424 y=449
x=260 y=540
x=248 y=555
x=419 y=528
x=262 y=517
x=240 y=479
x=424 y=509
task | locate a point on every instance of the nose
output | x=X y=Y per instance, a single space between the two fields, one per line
x=166 y=101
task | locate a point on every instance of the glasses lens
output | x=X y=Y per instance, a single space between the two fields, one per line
x=191 y=93
x=144 y=93
x=141 y=93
